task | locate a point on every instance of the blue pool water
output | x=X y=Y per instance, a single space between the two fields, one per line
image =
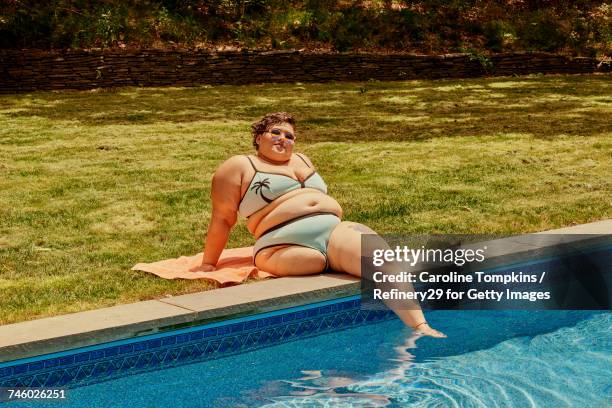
x=491 y=358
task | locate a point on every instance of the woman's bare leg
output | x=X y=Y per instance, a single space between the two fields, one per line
x=290 y=260
x=344 y=255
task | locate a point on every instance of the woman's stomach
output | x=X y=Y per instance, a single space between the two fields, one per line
x=294 y=204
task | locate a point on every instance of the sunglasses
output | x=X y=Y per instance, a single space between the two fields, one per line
x=278 y=132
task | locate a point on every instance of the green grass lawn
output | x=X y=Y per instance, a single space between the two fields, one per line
x=93 y=182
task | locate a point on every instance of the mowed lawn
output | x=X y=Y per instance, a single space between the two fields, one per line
x=92 y=182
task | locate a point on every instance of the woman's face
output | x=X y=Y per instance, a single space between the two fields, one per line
x=277 y=143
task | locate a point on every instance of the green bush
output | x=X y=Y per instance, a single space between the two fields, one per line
x=499 y=35
x=351 y=28
x=580 y=27
x=542 y=30
x=109 y=25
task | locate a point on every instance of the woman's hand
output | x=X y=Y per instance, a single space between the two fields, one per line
x=203 y=268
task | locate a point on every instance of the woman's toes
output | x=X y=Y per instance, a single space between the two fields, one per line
x=428 y=331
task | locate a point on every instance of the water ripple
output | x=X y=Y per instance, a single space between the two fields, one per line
x=565 y=368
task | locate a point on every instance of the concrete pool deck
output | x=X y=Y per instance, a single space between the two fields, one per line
x=59 y=333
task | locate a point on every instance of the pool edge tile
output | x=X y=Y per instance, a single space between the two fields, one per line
x=59 y=333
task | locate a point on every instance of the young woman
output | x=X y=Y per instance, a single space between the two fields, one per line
x=297 y=226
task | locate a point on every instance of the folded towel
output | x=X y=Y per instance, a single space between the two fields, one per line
x=235 y=266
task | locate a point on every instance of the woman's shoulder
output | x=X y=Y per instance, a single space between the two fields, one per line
x=304 y=158
x=235 y=164
x=238 y=161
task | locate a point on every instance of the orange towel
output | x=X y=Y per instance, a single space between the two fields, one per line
x=235 y=266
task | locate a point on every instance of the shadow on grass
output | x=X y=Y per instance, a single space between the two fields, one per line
x=543 y=106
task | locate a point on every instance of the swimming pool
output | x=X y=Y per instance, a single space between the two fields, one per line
x=337 y=354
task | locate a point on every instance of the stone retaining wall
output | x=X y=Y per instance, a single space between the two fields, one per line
x=24 y=71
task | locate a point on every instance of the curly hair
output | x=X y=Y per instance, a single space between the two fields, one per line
x=271 y=119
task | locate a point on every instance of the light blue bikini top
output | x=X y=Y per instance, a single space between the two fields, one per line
x=265 y=187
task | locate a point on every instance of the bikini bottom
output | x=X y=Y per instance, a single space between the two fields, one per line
x=310 y=230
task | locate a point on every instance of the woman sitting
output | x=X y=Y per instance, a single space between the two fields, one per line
x=297 y=226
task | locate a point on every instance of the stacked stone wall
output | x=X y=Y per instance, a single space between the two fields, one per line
x=30 y=70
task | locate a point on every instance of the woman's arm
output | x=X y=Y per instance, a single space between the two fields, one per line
x=225 y=196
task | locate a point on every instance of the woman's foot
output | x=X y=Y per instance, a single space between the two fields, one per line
x=426 y=330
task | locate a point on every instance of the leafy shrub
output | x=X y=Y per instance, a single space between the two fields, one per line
x=499 y=35
x=581 y=26
x=109 y=25
x=543 y=31
x=352 y=28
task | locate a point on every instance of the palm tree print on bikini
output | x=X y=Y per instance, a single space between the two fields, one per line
x=259 y=186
